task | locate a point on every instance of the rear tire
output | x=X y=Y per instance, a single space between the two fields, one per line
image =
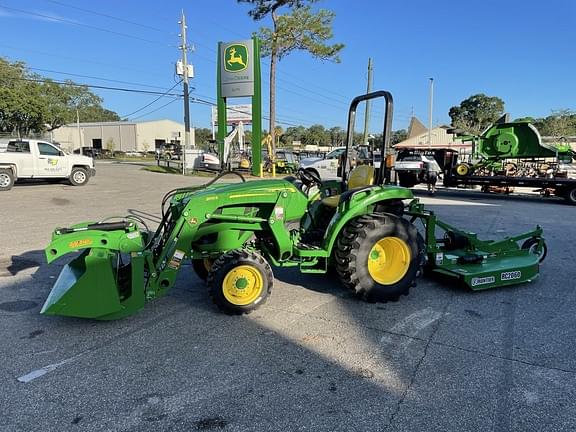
x=240 y=281
x=79 y=176
x=6 y=179
x=378 y=258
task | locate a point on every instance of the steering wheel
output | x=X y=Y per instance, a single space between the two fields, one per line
x=309 y=177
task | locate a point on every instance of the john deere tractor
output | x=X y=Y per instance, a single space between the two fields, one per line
x=234 y=232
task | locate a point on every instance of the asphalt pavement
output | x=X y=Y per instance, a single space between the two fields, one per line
x=311 y=359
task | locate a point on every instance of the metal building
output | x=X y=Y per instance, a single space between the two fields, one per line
x=120 y=136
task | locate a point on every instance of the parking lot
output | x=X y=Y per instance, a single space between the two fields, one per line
x=311 y=359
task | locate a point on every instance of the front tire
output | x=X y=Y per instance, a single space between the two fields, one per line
x=202 y=267
x=79 y=176
x=240 y=281
x=378 y=258
x=6 y=179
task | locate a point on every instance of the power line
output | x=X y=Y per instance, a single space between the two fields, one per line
x=115 y=66
x=148 y=27
x=73 y=84
x=67 y=21
x=154 y=101
x=95 y=77
x=157 y=109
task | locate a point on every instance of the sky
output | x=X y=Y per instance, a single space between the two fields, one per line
x=522 y=52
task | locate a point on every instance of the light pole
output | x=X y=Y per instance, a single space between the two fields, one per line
x=430 y=113
x=78 y=128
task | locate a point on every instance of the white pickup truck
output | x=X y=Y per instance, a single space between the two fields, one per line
x=33 y=159
x=411 y=168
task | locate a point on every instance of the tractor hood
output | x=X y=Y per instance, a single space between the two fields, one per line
x=257 y=191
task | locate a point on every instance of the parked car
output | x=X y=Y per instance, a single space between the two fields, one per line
x=411 y=167
x=34 y=159
x=325 y=167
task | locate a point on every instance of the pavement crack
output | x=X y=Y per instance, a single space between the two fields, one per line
x=417 y=367
x=514 y=360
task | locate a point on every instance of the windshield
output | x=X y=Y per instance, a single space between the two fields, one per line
x=335 y=153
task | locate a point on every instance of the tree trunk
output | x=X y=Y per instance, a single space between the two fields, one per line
x=272 y=122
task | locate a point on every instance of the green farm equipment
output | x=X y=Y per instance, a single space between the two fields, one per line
x=233 y=232
x=514 y=149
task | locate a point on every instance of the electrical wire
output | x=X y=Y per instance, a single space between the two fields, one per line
x=95 y=77
x=154 y=110
x=73 y=84
x=76 y=59
x=123 y=20
x=89 y=26
x=147 y=105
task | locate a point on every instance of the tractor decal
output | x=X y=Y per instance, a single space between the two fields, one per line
x=483 y=280
x=79 y=243
x=511 y=275
x=236 y=58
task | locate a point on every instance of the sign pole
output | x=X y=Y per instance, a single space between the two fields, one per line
x=256 y=112
x=238 y=75
x=221 y=107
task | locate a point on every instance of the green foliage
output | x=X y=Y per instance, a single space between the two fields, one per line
x=561 y=123
x=397 y=136
x=263 y=8
x=333 y=137
x=202 y=138
x=299 y=30
x=29 y=103
x=476 y=113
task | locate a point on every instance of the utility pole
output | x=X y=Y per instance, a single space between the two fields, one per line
x=184 y=48
x=78 y=129
x=367 y=113
x=430 y=112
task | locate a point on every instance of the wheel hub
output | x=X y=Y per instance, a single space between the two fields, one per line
x=389 y=260
x=243 y=285
x=4 y=180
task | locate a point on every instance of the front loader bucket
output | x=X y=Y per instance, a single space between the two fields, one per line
x=94 y=285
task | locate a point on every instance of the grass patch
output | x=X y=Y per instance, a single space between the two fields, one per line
x=162 y=169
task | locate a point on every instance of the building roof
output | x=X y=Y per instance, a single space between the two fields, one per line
x=439 y=136
x=122 y=123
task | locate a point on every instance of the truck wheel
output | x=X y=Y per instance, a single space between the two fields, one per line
x=78 y=176
x=240 y=281
x=570 y=196
x=378 y=258
x=407 y=180
x=6 y=179
x=462 y=169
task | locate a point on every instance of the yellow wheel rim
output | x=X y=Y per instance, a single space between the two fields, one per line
x=388 y=261
x=462 y=169
x=243 y=285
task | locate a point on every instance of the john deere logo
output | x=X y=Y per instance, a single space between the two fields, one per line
x=53 y=162
x=236 y=58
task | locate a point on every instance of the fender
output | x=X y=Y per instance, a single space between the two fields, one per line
x=357 y=205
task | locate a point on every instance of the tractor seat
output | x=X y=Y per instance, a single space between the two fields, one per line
x=361 y=176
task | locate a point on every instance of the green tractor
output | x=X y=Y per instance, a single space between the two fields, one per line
x=234 y=232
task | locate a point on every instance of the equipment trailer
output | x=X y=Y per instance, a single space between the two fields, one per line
x=232 y=233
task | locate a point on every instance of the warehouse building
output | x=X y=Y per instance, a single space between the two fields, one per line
x=121 y=136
